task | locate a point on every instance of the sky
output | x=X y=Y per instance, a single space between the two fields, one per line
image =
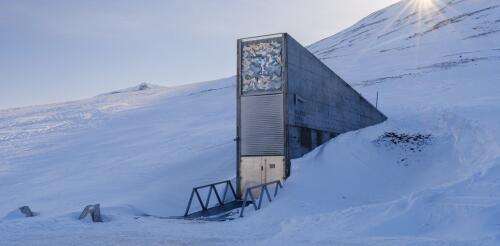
x=58 y=50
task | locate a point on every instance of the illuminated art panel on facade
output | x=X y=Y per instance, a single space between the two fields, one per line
x=261 y=66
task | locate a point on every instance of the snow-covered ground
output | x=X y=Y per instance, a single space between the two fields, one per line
x=140 y=150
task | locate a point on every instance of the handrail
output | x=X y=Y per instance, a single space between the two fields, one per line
x=218 y=183
x=263 y=188
x=204 y=205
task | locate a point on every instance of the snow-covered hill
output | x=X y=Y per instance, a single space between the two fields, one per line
x=430 y=175
x=409 y=39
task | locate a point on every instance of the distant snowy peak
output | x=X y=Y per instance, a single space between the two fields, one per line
x=407 y=20
x=140 y=87
x=414 y=37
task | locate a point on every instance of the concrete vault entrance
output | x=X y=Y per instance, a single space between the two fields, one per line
x=288 y=103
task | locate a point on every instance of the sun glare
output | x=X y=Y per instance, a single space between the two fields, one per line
x=425 y=4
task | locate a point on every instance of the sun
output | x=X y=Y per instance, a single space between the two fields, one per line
x=425 y=4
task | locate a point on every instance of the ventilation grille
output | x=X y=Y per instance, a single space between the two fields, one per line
x=262 y=125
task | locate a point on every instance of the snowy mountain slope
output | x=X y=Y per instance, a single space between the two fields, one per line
x=436 y=73
x=79 y=152
x=409 y=38
x=20 y=127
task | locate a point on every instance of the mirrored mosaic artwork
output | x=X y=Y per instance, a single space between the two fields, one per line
x=261 y=66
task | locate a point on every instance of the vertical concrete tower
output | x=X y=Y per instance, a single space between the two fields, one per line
x=288 y=103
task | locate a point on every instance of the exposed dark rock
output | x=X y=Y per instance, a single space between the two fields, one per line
x=452 y=20
x=143 y=86
x=94 y=211
x=26 y=211
x=483 y=34
x=412 y=140
x=407 y=145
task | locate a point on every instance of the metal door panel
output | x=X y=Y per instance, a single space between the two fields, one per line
x=250 y=172
x=255 y=170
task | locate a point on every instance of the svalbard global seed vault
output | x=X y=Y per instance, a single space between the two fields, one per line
x=288 y=103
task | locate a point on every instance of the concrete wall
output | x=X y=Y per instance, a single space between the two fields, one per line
x=319 y=102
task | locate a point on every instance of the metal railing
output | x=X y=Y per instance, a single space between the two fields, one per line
x=212 y=187
x=263 y=188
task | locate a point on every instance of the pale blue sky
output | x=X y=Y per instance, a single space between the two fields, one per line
x=59 y=50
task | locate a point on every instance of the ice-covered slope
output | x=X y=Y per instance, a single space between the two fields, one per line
x=436 y=71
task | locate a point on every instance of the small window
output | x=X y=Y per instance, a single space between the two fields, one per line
x=272 y=165
x=319 y=138
x=305 y=137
